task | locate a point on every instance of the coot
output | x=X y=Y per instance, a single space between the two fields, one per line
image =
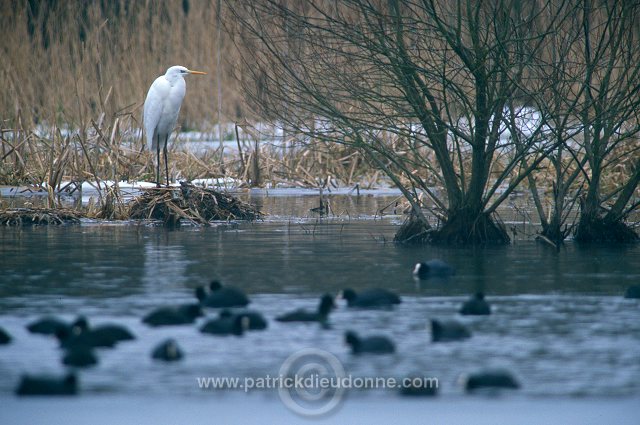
x=376 y=344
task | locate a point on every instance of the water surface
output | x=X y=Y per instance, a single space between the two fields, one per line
x=560 y=323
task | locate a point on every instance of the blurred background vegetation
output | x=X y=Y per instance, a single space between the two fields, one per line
x=63 y=61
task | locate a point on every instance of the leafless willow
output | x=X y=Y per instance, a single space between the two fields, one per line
x=436 y=93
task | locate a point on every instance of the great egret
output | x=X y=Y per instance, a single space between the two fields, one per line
x=161 y=109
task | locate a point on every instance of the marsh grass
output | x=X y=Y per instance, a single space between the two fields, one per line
x=103 y=152
x=110 y=150
x=114 y=150
x=73 y=80
x=64 y=62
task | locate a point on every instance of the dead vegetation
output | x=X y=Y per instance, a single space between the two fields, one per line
x=172 y=206
x=190 y=203
x=39 y=216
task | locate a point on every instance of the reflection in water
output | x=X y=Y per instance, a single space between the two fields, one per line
x=168 y=261
x=86 y=261
x=560 y=323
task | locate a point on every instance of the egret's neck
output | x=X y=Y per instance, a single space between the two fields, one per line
x=173 y=78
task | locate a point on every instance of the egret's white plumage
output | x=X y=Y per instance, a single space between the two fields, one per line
x=161 y=109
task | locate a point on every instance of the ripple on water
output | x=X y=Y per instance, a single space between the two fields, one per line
x=562 y=333
x=562 y=350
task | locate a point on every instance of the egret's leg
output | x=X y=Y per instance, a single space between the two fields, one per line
x=166 y=162
x=158 y=161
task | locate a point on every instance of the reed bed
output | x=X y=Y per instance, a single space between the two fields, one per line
x=73 y=80
x=114 y=150
x=66 y=61
x=102 y=150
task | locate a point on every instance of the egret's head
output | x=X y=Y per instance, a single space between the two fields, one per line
x=182 y=71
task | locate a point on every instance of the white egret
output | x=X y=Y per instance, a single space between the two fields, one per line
x=161 y=109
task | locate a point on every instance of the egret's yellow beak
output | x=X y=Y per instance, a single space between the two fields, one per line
x=197 y=72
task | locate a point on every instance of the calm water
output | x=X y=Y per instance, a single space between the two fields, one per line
x=560 y=323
